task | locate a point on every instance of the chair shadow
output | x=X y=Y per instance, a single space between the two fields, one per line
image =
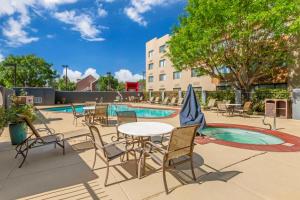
x=183 y=174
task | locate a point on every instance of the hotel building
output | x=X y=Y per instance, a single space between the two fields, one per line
x=162 y=76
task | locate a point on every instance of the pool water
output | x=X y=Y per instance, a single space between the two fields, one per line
x=241 y=136
x=113 y=108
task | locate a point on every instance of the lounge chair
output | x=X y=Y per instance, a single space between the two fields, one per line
x=221 y=107
x=36 y=140
x=246 y=108
x=157 y=100
x=151 y=100
x=181 y=145
x=117 y=99
x=101 y=113
x=173 y=101
x=180 y=101
x=141 y=98
x=76 y=115
x=108 y=151
x=211 y=103
x=165 y=101
x=90 y=103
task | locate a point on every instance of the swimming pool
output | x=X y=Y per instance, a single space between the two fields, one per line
x=141 y=112
x=242 y=136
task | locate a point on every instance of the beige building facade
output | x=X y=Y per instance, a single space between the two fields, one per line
x=162 y=76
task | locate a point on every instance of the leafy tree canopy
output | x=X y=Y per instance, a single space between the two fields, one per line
x=108 y=83
x=61 y=84
x=250 y=39
x=32 y=71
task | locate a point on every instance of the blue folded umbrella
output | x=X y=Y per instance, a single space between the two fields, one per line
x=190 y=113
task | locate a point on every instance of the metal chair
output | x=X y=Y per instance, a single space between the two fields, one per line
x=36 y=140
x=101 y=113
x=124 y=117
x=76 y=115
x=108 y=151
x=181 y=144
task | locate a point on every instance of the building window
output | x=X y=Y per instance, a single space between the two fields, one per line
x=150 y=79
x=162 y=77
x=150 y=54
x=197 y=89
x=162 y=63
x=162 y=49
x=176 y=75
x=150 y=66
x=194 y=73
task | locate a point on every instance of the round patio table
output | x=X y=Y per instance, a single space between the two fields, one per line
x=145 y=129
x=87 y=108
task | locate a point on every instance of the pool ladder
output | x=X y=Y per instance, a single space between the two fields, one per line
x=268 y=124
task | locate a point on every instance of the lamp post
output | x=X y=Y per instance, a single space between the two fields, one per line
x=15 y=72
x=66 y=76
x=108 y=81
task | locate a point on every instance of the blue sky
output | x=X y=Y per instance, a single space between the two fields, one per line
x=91 y=36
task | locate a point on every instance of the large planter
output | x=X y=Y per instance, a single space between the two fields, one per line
x=17 y=132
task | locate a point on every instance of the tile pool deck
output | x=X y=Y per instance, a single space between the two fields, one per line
x=223 y=172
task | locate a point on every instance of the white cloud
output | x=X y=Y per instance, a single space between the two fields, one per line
x=139 y=7
x=14 y=28
x=50 y=36
x=74 y=75
x=91 y=71
x=101 y=12
x=1 y=57
x=124 y=75
x=83 y=23
x=14 y=31
x=54 y=3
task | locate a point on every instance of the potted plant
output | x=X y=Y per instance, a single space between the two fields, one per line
x=17 y=128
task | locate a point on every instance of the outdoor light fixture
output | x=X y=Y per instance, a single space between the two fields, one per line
x=108 y=80
x=66 y=76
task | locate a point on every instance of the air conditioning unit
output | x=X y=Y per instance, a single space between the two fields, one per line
x=37 y=100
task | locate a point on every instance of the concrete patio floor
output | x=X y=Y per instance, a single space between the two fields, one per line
x=222 y=172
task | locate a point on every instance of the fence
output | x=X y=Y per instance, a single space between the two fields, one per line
x=80 y=97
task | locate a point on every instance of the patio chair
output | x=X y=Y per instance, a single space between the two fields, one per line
x=101 y=113
x=211 y=103
x=76 y=115
x=173 y=101
x=180 y=101
x=108 y=151
x=151 y=100
x=157 y=100
x=124 y=117
x=36 y=140
x=246 y=108
x=165 y=101
x=181 y=145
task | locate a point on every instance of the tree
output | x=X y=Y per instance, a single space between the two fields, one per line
x=107 y=83
x=237 y=41
x=32 y=71
x=61 y=84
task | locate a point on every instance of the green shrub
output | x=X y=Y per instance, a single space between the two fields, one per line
x=259 y=96
x=221 y=95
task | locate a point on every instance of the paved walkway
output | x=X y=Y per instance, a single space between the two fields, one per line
x=223 y=172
